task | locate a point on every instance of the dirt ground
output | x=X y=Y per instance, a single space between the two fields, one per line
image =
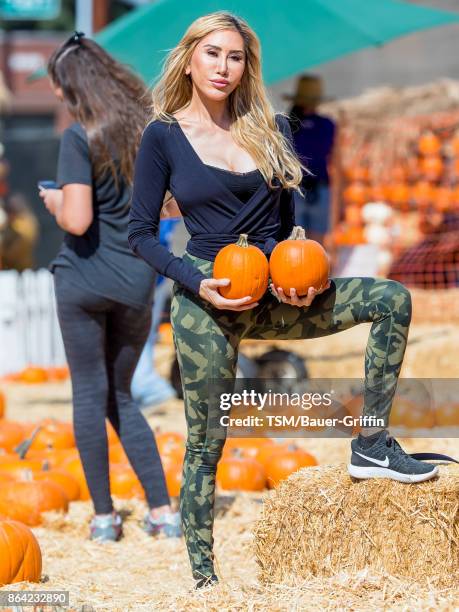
x=141 y=574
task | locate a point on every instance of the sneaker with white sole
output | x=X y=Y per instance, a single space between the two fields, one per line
x=167 y=523
x=107 y=528
x=385 y=458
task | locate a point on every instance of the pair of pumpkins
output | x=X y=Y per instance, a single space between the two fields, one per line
x=297 y=263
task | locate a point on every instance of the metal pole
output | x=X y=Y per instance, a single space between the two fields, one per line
x=84 y=16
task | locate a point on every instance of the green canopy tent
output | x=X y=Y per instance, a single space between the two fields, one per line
x=295 y=34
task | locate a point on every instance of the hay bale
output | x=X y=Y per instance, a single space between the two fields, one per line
x=320 y=522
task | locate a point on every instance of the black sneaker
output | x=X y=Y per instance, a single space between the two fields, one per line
x=206 y=581
x=385 y=458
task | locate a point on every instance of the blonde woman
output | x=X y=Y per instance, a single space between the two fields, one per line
x=216 y=144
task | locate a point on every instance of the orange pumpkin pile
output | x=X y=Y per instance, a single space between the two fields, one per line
x=253 y=464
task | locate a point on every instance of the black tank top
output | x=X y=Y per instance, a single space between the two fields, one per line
x=242 y=184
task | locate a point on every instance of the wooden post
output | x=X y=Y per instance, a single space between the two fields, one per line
x=100 y=16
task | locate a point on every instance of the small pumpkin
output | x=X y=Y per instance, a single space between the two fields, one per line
x=356 y=193
x=11 y=434
x=247 y=268
x=281 y=464
x=422 y=194
x=429 y=144
x=447 y=415
x=124 y=482
x=62 y=478
x=75 y=468
x=20 y=554
x=34 y=375
x=353 y=215
x=237 y=473
x=53 y=434
x=173 y=470
x=432 y=167
x=443 y=198
x=400 y=193
x=32 y=498
x=413 y=415
x=247 y=447
x=299 y=263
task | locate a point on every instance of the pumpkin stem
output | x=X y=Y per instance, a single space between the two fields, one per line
x=298 y=233
x=23 y=448
x=243 y=242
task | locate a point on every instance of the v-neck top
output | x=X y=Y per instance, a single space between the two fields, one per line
x=213 y=215
x=242 y=184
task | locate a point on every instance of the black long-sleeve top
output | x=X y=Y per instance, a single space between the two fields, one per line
x=213 y=215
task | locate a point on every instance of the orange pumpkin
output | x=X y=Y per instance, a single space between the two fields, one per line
x=236 y=473
x=432 y=167
x=280 y=465
x=53 y=457
x=58 y=373
x=116 y=454
x=356 y=193
x=15 y=467
x=75 y=468
x=62 y=478
x=124 y=482
x=18 y=511
x=443 y=199
x=2 y=404
x=422 y=194
x=353 y=215
x=112 y=436
x=400 y=193
x=173 y=469
x=379 y=193
x=247 y=447
x=31 y=498
x=53 y=434
x=165 y=334
x=399 y=173
x=447 y=415
x=20 y=554
x=34 y=375
x=169 y=442
x=247 y=268
x=299 y=263
x=429 y=144
x=11 y=434
x=357 y=173
x=413 y=415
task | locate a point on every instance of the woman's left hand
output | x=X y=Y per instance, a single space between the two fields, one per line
x=52 y=198
x=294 y=299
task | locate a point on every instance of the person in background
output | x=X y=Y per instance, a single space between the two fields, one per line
x=103 y=291
x=149 y=388
x=19 y=234
x=313 y=137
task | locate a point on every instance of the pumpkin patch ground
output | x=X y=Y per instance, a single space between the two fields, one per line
x=141 y=574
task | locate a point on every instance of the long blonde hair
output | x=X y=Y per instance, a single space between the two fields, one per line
x=253 y=124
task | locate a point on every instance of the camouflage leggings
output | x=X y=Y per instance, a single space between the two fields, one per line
x=207 y=341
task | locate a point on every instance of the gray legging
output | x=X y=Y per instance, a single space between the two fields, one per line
x=103 y=340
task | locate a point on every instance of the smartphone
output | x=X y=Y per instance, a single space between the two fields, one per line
x=48 y=185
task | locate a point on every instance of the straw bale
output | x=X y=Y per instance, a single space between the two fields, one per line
x=321 y=522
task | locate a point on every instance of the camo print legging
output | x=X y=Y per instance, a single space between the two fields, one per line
x=207 y=341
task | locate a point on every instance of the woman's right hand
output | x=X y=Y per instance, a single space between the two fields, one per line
x=208 y=290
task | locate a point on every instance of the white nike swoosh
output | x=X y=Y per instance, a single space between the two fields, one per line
x=384 y=463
